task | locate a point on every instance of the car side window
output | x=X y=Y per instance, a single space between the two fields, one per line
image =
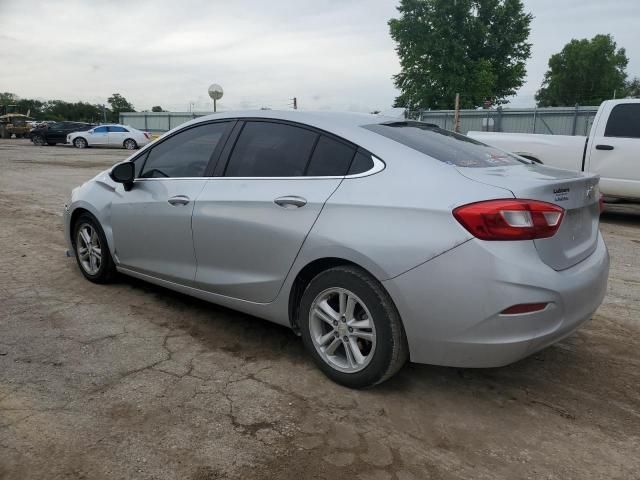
x=330 y=158
x=624 y=121
x=139 y=163
x=100 y=130
x=185 y=154
x=362 y=162
x=118 y=129
x=268 y=149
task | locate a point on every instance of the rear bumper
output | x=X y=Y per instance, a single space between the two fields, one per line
x=450 y=305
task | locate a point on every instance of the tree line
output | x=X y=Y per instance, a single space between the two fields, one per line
x=479 y=48
x=59 y=110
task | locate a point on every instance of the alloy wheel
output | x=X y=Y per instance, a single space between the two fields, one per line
x=89 y=249
x=342 y=330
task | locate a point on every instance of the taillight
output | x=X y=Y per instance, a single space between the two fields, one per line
x=146 y=134
x=510 y=219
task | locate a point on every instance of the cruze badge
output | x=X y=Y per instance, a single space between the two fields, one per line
x=561 y=194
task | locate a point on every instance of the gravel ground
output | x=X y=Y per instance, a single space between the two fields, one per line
x=134 y=381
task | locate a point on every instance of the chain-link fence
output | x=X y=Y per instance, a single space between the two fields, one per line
x=551 y=120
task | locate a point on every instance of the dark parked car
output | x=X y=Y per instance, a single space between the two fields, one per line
x=57 y=132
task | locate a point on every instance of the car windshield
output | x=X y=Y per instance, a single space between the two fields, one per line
x=444 y=145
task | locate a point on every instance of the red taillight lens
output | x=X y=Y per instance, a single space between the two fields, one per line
x=510 y=219
x=146 y=134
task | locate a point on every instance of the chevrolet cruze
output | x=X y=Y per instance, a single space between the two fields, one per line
x=378 y=240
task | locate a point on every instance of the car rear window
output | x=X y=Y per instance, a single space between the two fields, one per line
x=443 y=145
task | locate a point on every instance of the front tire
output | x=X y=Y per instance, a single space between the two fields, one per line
x=130 y=144
x=38 y=140
x=80 y=143
x=92 y=250
x=351 y=328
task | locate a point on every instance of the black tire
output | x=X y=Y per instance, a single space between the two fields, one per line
x=130 y=144
x=38 y=140
x=80 y=143
x=107 y=269
x=391 y=350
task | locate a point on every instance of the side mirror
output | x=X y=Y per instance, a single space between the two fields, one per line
x=124 y=173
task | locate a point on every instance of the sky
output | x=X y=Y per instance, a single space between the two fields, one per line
x=330 y=54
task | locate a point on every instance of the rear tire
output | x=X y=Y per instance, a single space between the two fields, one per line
x=80 y=143
x=358 y=346
x=92 y=250
x=130 y=144
x=38 y=140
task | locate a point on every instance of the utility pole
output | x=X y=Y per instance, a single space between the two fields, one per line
x=456 y=118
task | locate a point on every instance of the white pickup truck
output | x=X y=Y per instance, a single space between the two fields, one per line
x=612 y=149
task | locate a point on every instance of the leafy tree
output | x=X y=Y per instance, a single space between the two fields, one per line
x=477 y=48
x=54 y=109
x=157 y=108
x=633 y=88
x=584 y=72
x=119 y=104
x=7 y=98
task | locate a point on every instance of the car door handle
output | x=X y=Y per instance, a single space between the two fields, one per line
x=290 y=201
x=604 y=147
x=179 y=200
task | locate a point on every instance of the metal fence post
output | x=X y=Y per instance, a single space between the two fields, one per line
x=145 y=122
x=535 y=114
x=169 y=122
x=575 y=120
x=499 y=121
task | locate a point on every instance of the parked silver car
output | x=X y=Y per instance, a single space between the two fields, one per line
x=377 y=239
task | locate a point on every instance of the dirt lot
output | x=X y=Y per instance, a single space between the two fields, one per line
x=133 y=381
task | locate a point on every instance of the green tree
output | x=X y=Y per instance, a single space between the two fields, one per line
x=632 y=88
x=477 y=48
x=157 y=108
x=119 y=104
x=585 y=72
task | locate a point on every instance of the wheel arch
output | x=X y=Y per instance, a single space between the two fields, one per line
x=308 y=272
x=84 y=207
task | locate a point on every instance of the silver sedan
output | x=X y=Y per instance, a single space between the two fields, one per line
x=378 y=240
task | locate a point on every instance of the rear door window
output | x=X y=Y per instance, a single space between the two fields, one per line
x=269 y=149
x=330 y=158
x=624 y=121
x=443 y=145
x=185 y=154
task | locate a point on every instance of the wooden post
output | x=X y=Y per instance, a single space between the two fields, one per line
x=456 y=120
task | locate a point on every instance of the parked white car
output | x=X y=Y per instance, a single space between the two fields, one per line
x=120 y=136
x=611 y=150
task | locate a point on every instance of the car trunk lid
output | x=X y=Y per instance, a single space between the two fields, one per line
x=576 y=192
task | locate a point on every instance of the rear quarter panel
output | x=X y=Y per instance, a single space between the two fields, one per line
x=396 y=219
